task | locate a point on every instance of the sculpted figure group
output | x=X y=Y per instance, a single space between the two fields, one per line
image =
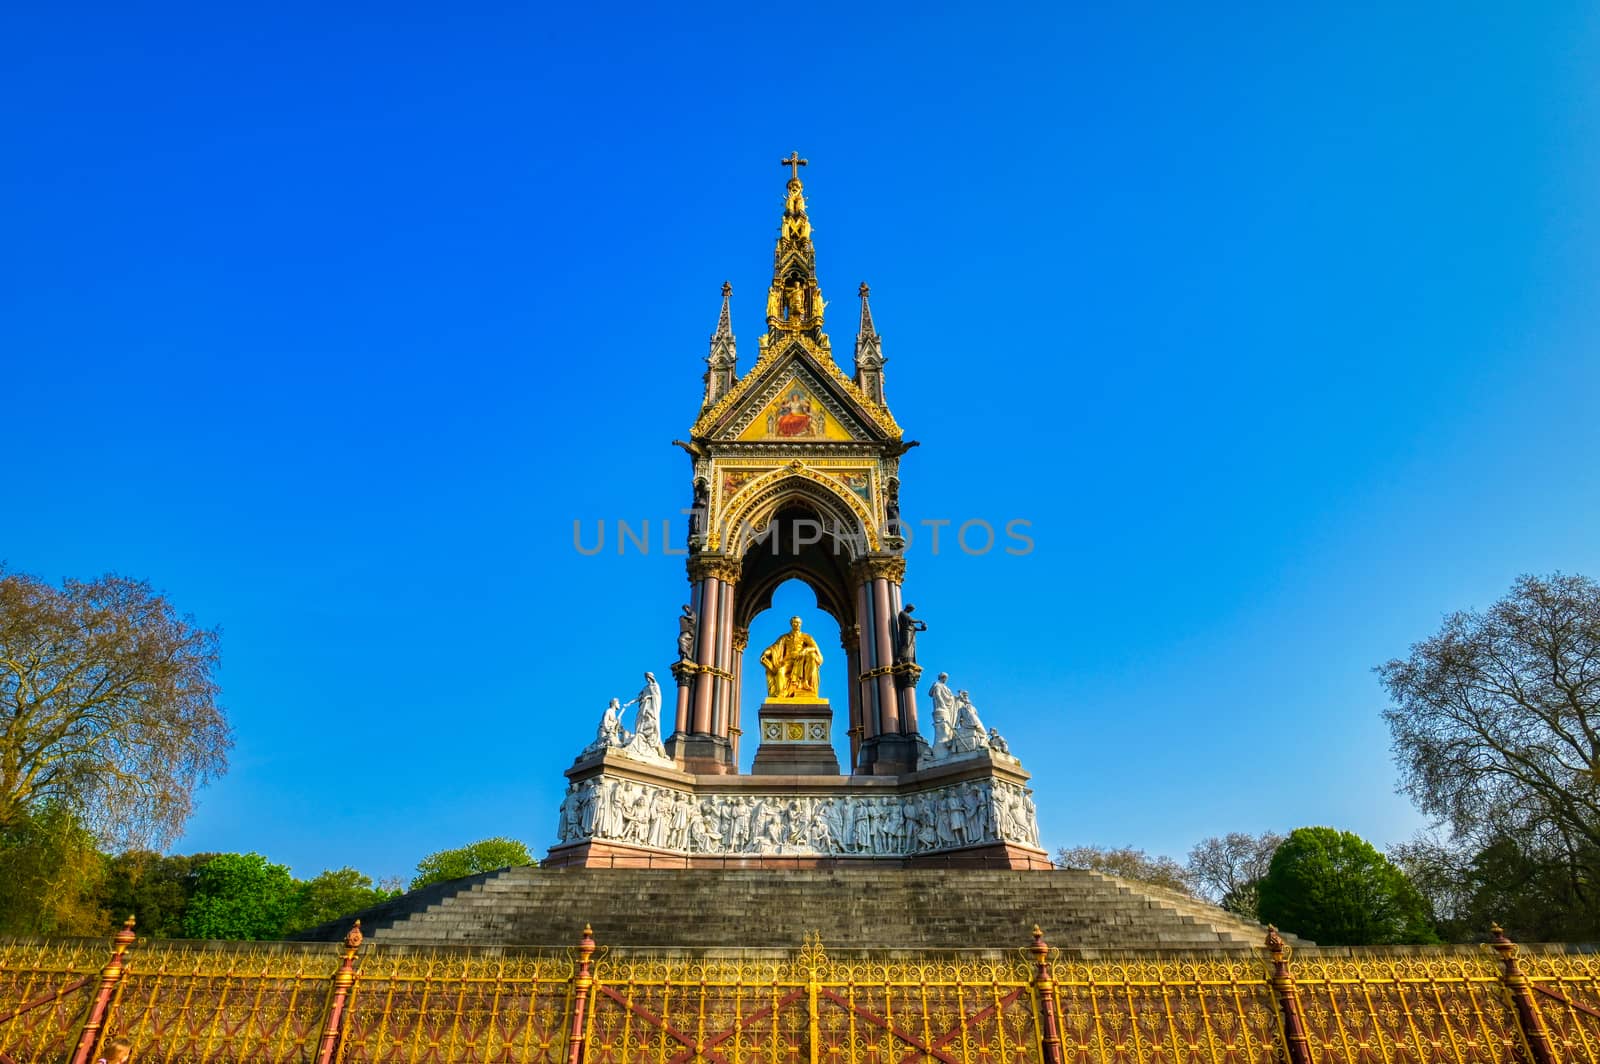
x=957 y=730
x=620 y=810
x=644 y=742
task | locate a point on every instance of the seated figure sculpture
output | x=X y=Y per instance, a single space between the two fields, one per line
x=792 y=664
x=610 y=733
x=970 y=732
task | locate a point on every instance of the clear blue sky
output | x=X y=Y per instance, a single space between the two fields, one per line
x=1278 y=325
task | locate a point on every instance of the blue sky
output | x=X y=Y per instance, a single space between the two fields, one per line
x=1279 y=326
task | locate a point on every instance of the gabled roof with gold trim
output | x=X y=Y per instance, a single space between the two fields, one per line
x=789 y=361
x=795 y=369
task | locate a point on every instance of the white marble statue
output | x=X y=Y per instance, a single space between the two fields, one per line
x=610 y=733
x=944 y=715
x=646 y=742
x=970 y=733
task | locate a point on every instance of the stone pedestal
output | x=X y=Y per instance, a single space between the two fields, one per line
x=973 y=811
x=796 y=739
x=891 y=755
x=702 y=755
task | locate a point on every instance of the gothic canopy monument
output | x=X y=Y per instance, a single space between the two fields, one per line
x=795 y=474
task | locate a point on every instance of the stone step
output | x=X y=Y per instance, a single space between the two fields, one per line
x=870 y=908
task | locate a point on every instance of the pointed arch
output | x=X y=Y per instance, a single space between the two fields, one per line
x=749 y=513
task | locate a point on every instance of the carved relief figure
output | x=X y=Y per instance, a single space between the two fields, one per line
x=567 y=827
x=961 y=814
x=792 y=664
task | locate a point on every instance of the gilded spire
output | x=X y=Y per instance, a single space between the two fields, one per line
x=723 y=356
x=794 y=302
x=869 y=353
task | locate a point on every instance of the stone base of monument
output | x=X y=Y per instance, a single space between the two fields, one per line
x=703 y=755
x=603 y=854
x=973 y=811
x=892 y=755
x=796 y=739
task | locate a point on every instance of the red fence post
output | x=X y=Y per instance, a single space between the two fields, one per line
x=110 y=976
x=343 y=980
x=580 y=995
x=1045 y=985
x=1287 y=992
x=1528 y=1017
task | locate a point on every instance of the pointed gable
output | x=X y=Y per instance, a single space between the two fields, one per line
x=796 y=395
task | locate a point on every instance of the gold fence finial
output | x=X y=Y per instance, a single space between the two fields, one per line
x=1275 y=943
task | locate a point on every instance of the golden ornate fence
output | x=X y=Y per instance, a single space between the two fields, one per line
x=200 y=1003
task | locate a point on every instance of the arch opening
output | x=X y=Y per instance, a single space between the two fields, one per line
x=789 y=596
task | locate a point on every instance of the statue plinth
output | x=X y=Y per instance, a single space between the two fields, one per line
x=796 y=738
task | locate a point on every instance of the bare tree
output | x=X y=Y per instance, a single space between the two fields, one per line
x=1228 y=869
x=107 y=707
x=1126 y=863
x=1496 y=723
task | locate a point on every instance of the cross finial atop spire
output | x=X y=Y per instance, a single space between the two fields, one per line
x=794 y=163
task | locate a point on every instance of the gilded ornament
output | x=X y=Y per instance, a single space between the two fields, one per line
x=890 y=567
x=792 y=664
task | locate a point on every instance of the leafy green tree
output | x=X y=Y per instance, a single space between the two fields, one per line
x=109 y=706
x=240 y=896
x=1518 y=885
x=1334 y=888
x=1126 y=863
x=485 y=855
x=50 y=874
x=153 y=888
x=332 y=895
x=1496 y=726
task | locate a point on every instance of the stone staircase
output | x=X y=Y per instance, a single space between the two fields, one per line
x=911 y=909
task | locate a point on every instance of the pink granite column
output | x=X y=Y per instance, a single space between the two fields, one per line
x=684 y=684
x=723 y=695
x=850 y=640
x=865 y=655
x=905 y=676
x=706 y=652
x=883 y=635
x=741 y=639
x=685 y=676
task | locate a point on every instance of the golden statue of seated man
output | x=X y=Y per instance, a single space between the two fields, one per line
x=792 y=664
